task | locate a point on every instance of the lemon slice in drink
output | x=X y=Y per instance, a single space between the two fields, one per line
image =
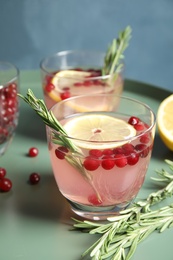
x=99 y=131
x=65 y=78
x=165 y=121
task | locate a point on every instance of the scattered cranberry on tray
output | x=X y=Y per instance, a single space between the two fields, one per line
x=34 y=178
x=33 y=152
x=2 y=172
x=5 y=184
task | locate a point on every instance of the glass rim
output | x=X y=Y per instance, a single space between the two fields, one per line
x=66 y=52
x=16 y=74
x=147 y=130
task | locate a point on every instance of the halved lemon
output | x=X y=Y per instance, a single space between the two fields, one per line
x=165 y=121
x=99 y=131
x=65 y=78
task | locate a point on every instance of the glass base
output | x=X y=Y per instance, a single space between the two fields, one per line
x=4 y=146
x=97 y=213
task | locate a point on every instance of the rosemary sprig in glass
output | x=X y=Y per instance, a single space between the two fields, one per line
x=114 y=55
x=121 y=235
x=59 y=136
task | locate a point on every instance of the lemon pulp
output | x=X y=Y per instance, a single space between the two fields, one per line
x=99 y=131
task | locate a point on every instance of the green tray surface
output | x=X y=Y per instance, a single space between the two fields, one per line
x=35 y=220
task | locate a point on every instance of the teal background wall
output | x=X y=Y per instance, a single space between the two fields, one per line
x=33 y=29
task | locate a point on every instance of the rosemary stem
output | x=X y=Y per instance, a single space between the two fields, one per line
x=121 y=235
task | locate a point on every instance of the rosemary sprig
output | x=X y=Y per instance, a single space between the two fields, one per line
x=59 y=136
x=121 y=235
x=114 y=55
x=49 y=119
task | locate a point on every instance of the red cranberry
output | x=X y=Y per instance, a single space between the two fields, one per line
x=118 y=150
x=143 y=150
x=133 y=120
x=95 y=152
x=94 y=200
x=2 y=173
x=108 y=162
x=132 y=158
x=65 y=95
x=66 y=89
x=128 y=148
x=34 y=178
x=5 y=184
x=108 y=152
x=10 y=102
x=78 y=84
x=91 y=164
x=145 y=138
x=87 y=83
x=61 y=152
x=120 y=160
x=49 y=87
x=139 y=126
x=97 y=82
x=33 y=152
x=48 y=78
x=11 y=91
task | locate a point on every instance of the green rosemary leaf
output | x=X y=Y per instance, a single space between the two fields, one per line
x=120 y=254
x=133 y=247
x=100 y=244
x=147 y=231
x=170 y=163
x=167 y=224
x=86 y=224
x=90 y=249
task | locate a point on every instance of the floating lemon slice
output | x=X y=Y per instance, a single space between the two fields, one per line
x=66 y=78
x=69 y=76
x=165 y=121
x=99 y=131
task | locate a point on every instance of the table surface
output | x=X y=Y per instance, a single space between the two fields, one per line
x=35 y=221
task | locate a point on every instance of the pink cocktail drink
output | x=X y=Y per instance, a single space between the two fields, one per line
x=107 y=169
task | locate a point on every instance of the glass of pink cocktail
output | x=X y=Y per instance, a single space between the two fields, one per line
x=101 y=157
x=73 y=73
x=9 y=104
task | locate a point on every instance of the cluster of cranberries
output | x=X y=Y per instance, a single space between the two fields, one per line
x=34 y=177
x=86 y=83
x=6 y=183
x=127 y=154
x=9 y=109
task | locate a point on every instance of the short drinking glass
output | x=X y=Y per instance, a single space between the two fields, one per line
x=101 y=159
x=72 y=73
x=9 y=106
